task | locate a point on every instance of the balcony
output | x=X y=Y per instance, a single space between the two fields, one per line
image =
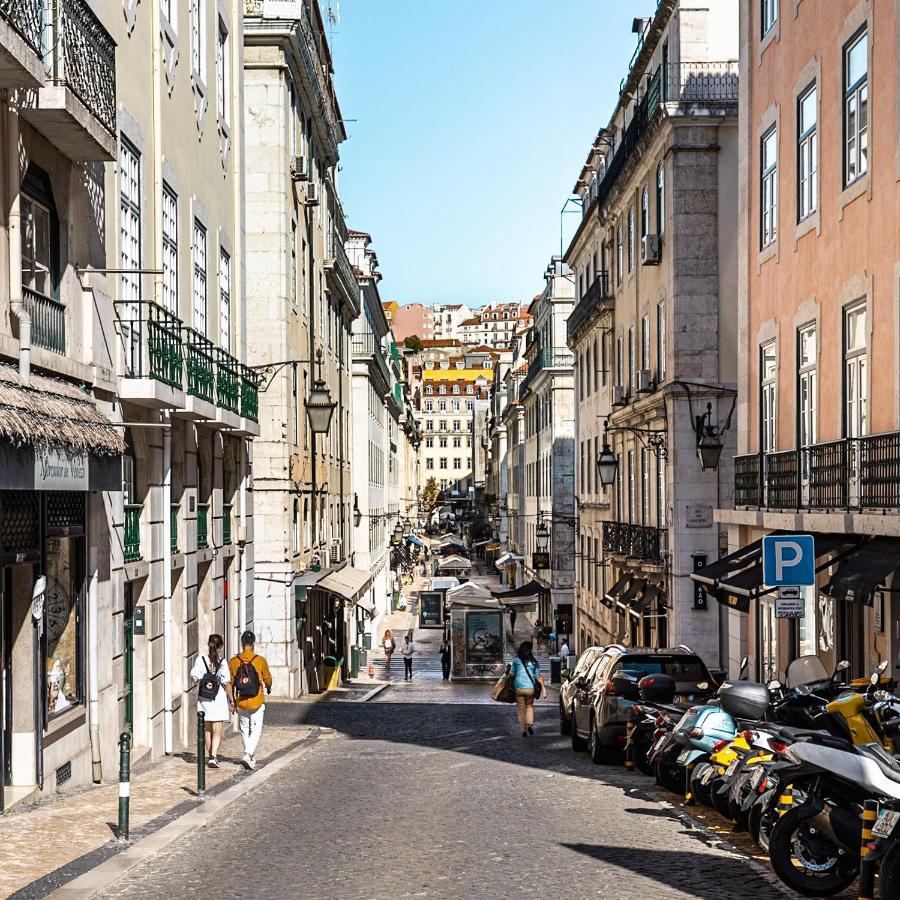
x=173 y=526
x=249 y=394
x=852 y=474
x=76 y=110
x=21 y=24
x=226 y=523
x=48 y=320
x=633 y=541
x=546 y=358
x=227 y=381
x=131 y=540
x=202 y=526
x=153 y=356
x=597 y=297
x=364 y=346
x=200 y=357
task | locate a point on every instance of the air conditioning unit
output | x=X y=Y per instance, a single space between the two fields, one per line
x=650 y=250
x=645 y=383
x=312 y=194
x=618 y=396
x=299 y=169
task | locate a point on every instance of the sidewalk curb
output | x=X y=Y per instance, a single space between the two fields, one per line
x=374 y=692
x=107 y=873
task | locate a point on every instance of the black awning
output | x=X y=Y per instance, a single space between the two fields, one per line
x=618 y=588
x=646 y=600
x=529 y=589
x=860 y=575
x=634 y=590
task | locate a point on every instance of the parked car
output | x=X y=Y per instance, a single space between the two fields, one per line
x=569 y=688
x=601 y=726
x=586 y=688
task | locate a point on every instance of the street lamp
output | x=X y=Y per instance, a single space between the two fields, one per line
x=357 y=515
x=607 y=462
x=709 y=446
x=542 y=536
x=397 y=534
x=319 y=405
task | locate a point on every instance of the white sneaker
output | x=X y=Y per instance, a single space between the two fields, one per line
x=251 y=762
x=245 y=759
x=213 y=763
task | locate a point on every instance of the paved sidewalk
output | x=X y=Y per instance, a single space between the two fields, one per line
x=53 y=836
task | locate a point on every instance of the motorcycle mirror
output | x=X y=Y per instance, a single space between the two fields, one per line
x=703 y=686
x=744 y=662
x=774 y=685
x=842 y=666
x=881 y=666
x=875 y=678
x=803 y=689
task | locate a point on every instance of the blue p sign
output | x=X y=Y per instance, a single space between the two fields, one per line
x=789 y=559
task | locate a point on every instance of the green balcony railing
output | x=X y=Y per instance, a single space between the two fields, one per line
x=202 y=526
x=228 y=389
x=226 y=523
x=132 y=537
x=200 y=355
x=151 y=342
x=249 y=394
x=173 y=527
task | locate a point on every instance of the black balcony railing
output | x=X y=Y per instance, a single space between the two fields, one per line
x=151 y=342
x=200 y=356
x=83 y=58
x=635 y=541
x=48 y=320
x=27 y=18
x=851 y=473
x=547 y=358
x=597 y=296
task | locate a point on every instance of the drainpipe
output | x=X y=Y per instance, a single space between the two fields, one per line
x=93 y=664
x=16 y=306
x=242 y=537
x=168 y=714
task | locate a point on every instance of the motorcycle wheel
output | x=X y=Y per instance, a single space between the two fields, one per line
x=736 y=799
x=639 y=754
x=699 y=790
x=760 y=823
x=565 y=724
x=809 y=863
x=889 y=873
x=670 y=776
x=720 y=800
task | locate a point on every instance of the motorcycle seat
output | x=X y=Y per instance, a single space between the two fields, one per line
x=890 y=770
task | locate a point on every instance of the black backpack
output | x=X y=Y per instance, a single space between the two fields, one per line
x=246 y=680
x=209 y=684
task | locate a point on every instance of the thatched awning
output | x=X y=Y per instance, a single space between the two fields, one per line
x=50 y=413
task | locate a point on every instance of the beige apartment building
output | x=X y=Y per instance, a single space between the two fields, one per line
x=653 y=332
x=819 y=411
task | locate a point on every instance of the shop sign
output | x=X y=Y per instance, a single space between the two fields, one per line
x=57 y=470
x=540 y=560
x=698 y=517
x=789 y=602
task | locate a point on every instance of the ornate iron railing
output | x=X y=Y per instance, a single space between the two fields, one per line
x=782 y=480
x=747 y=480
x=48 y=320
x=131 y=540
x=27 y=18
x=635 y=541
x=829 y=482
x=144 y=322
x=597 y=295
x=83 y=58
x=227 y=381
x=202 y=526
x=547 y=358
x=173 y=526
x=200 y=356
x=249 y=394
x=226 y=523
x=878 y=461
x=693 y=82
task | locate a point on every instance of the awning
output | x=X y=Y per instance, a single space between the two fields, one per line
x=617 y=589
x=646 y=600
x=414 y=540
x=366 y=603
x=506 y=559
x=860 y=575
x=454 y=563
x=736 y=579
x=348 y=583
x=481 y=543
x=635 y=589
x=529 y=589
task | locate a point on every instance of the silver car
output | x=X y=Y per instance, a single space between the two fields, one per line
x=569 y=687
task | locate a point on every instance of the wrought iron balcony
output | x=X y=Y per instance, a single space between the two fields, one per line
x=848 y=474
x=337 y=265
x=202 y=526
x=173 y=526
x=226 y=523
x=634 y=541
x=131 y=539
x=27 y=18
x=227 y=381
x=597 y=296
x=547 y=358
x=151 y=342
x=365 y=345
x=48 y=320
x=249 y=394
x=200 y=357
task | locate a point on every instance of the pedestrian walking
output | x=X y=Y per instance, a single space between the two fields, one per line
x=389 y=648
x=529 y=685
x=214 y=697
x=513 y=612
x=564 y=654
x=407 y=649
x=250 y=677
x=538 y=634
x=445 y=659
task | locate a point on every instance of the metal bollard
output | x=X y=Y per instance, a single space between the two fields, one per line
x=201 y=755
x=629 y=747
x=124 y=783
x=867 y=865
x=688 y=796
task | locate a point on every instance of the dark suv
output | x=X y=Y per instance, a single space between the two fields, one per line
x=604 y=733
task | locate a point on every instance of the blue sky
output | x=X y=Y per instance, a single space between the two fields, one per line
x=472 y=121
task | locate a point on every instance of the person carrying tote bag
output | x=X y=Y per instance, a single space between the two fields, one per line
x=504 y=691
x=529 y=685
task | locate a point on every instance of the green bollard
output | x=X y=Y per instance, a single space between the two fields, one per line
x=201 y=756
x=124 y=783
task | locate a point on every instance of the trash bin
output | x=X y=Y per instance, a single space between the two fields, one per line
x=555 y=670
x=354 y=661
x=367 y=641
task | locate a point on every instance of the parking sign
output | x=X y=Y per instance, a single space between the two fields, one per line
x=789 y=559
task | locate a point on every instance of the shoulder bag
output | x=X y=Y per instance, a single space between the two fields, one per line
x=538 y=687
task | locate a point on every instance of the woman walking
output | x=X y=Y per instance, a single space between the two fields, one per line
x=214 y=697
x=389 y=647
x=527 y=680
x=445 y=659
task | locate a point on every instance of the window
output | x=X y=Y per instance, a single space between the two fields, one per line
x=660 y=199
x=457 y=463
x=856 y=108
x=170 y=249
x=442 y=463
x=442 y=441
x=661 y=341
x=455 y=405
x=769 y=15
x=769 y=187
x=632 y=499
x=295 y=528
x=661 y=493
x=457 y=441
x=645 y=211
x=223 y=69
x=429 y=389
x=129 y=221
x=768 y=371
x=470 y=405
x=631 y=360
x=429 y=406
x=620 y=380
x=293 y=271
x=197 y=38
x=442 y=405
x=36 y=253
x=645 y=486
x=645 y=342
x=429 y=463
x=64 y=659
x=807 y=154
x=630 y=238
x=457 y=425
x=295 y=407
x=470 y=390
x=225 y=300
x=442 y=390
x=429 y=441
x=429 y=425
x=199 y=253
x=855 y=372
x=806 y=385
x=442 y=425
x=619 y=257
x=455 y=388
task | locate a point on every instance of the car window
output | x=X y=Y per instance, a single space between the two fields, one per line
x=587 y=659
x=592 y=674
x=681 y=668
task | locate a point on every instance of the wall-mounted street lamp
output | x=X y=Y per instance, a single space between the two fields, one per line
x=607 y=461
x=397 y=534
x=709 y=442
x=542 y=536
x=319 y=405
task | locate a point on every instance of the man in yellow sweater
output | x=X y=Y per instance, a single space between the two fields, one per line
x=249 y=676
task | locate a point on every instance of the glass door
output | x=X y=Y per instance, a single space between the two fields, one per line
x=768 y=640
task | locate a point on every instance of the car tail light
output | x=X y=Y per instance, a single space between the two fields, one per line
x=778 y=746
x=695 y=734
x=611 y=688
x=718 y=745
x=620 y=738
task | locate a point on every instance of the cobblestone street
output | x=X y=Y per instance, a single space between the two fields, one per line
x=422 y=798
